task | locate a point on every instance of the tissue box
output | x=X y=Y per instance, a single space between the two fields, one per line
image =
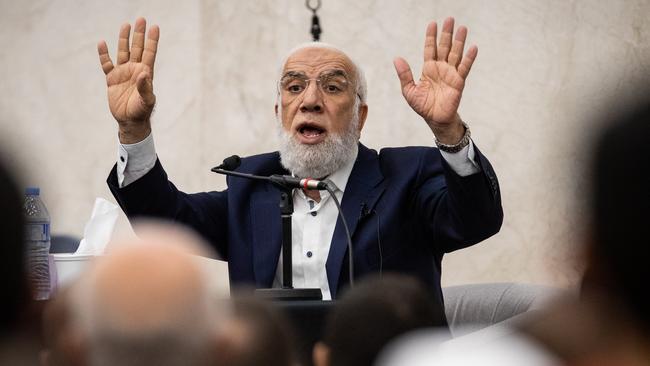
x=69 y=266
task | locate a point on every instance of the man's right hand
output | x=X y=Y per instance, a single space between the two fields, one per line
x=130 y=82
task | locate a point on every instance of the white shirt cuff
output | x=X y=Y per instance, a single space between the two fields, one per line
x=135 y=160
x=462 y=162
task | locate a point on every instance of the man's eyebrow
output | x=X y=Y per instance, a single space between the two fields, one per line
x=300 y=74
x=335 y=72
x=294 y=74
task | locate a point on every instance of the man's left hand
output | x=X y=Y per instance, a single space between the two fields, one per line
x=436 y=96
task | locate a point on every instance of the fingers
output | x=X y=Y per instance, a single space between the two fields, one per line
x=451 y=52
x=445 y=39
x=104 y=58
x=138 y=39
x=404 y=74
x=430 y=42
x=123 y=44
x=144 y=84
x=457 y=47
x=467 y=61
x=151 y=47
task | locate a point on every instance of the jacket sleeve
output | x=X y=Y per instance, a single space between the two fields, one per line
x=154 y=196
x=458 y=211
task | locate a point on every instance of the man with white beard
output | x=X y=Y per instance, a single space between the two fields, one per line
x=406 y=207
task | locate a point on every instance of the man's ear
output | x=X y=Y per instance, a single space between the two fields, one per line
x=321 y=354
x=363 y=114
x=276 y=109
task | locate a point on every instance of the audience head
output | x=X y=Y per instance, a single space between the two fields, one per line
x=147 y=303
x=610 y=324
x=18 y=315
x=14 y=284
x=62 y=342
x=255 y=334
x=620 y=234
x=370 y=315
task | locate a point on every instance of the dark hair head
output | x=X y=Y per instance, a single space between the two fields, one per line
x=14 y=285
x=375 y=312
x=621 y=212
x=265 y=337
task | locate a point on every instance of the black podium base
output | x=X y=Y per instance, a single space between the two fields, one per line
x=289 y=294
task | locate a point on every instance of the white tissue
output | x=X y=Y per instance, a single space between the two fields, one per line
x=99 y=228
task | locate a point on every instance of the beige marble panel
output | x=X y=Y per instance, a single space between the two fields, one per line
x=53 y=95
x=543 y=71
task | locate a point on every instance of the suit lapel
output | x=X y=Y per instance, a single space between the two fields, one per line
x=267 y=236
x=363 y=189
x=266 y=227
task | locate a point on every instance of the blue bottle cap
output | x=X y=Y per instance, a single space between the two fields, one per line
x=32 y=191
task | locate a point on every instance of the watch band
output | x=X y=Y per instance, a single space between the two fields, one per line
x=460 y=145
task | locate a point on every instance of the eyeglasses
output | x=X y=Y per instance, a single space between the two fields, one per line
x=331 y=83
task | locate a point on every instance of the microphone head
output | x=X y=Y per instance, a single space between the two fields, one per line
x=231 y=163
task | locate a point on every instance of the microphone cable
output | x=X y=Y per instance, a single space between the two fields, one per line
x=347 y=233
x=233 y=162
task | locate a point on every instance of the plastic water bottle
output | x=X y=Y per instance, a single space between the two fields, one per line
x=37 y=236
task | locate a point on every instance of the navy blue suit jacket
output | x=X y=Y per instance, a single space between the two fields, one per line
x=405 y=208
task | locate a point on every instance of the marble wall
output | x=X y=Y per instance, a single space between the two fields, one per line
x=544 y=70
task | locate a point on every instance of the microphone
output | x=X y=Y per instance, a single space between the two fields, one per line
x=304 y=183
x=285 y=181
x=233 y=162
x=229 y=163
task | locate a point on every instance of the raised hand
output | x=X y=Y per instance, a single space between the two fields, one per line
x=437 y=95
x=130 y=81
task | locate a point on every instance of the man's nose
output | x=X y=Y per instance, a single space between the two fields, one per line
x=312 y=100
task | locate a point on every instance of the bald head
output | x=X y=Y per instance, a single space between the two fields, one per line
x=361 y=86
x=148 y=287
x=147 y=302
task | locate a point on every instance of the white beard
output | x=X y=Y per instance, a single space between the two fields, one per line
x=320 y=160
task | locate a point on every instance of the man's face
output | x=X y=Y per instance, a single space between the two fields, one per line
x=312 y=109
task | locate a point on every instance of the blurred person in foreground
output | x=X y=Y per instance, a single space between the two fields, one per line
x=406 y=206
x=376 y=312
x=609 y=323
x=62 y=340
x=147 y=302
x=256 y=333
x=18 y=335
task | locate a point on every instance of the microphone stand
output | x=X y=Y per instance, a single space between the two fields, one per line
x=287 y=291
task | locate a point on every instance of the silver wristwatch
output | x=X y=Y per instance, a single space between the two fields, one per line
x=459 y=146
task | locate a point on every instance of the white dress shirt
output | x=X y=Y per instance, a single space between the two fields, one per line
x=312 y=228
x=312 y=224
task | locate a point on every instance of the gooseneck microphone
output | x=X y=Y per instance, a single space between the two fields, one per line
x=229 y=163
x=288 y=182
x=305 y=183
x=233 y=162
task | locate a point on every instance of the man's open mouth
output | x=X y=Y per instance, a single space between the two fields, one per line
x=309 y=130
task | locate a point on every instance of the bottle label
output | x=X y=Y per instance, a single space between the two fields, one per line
x=37 y=232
